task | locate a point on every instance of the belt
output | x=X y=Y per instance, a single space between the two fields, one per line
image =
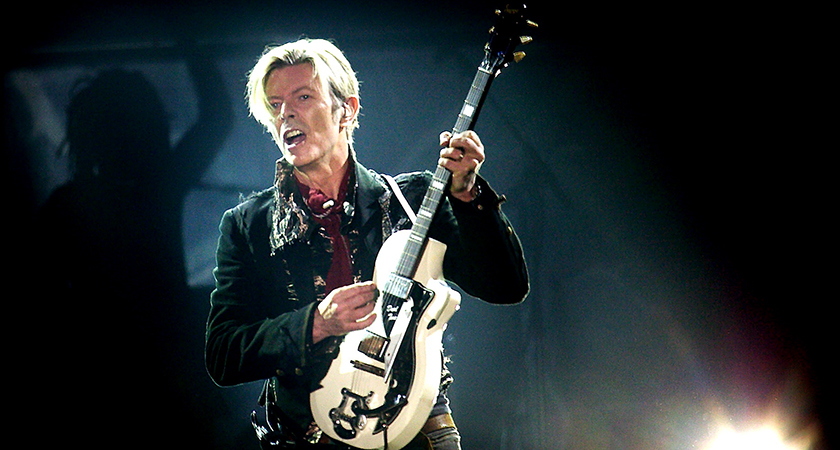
x=438 y=423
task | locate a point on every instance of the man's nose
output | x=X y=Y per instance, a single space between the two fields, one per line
x=286 y=113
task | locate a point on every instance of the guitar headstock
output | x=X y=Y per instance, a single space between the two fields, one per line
x=505 y=36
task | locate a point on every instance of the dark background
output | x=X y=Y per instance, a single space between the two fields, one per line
x=665 y=168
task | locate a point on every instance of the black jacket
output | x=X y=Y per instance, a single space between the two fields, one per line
x=260 y=321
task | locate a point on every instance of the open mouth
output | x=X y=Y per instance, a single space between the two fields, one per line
x=293 y=137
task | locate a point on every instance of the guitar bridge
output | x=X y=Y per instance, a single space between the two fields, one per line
x=369 y=368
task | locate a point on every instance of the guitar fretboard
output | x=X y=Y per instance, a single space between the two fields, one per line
x=431 y=202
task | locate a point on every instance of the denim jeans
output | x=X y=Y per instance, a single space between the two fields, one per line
x=445 y=439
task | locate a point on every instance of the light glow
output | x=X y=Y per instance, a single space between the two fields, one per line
x=761 y=439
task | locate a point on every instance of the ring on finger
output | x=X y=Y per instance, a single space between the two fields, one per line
x=330 y=311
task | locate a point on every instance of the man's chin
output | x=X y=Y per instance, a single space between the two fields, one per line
x=299 y=160
x=293 y=155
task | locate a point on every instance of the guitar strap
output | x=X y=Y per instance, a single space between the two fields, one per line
x=396 y=189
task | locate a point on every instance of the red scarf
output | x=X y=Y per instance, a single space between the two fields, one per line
x=327 y=212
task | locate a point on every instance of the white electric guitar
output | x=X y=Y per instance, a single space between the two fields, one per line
x=383 y=383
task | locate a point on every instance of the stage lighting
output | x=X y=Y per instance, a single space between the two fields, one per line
x=761 y=439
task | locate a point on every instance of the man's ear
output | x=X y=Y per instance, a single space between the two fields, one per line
x=350 y=110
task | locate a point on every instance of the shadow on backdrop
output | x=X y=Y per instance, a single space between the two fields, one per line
x=114 y=290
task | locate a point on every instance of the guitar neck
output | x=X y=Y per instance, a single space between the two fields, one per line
x=440 y=181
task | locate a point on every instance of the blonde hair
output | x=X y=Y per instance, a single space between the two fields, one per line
x=328 y=64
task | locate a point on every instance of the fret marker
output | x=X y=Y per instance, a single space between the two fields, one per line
x=468 y=109
x=437 y=185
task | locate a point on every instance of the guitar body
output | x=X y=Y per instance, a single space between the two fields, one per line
x=356 y=404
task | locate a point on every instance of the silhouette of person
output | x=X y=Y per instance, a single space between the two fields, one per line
x=112 y=258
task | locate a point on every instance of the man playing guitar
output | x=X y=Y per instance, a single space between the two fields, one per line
x=295 y=261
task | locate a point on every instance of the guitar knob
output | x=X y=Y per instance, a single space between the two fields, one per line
x=525 y=39
x=518 y=56
x=531 y=24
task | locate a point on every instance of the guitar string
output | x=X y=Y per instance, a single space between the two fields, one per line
x=431 y=200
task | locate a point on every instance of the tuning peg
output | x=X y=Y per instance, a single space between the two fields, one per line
x=518 y=56
x=525 y=39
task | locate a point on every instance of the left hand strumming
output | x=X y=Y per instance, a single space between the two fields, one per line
x=462 y=155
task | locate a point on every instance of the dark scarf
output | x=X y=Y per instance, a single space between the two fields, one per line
x=327 y=212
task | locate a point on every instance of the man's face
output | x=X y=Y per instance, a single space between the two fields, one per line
x=307 y=128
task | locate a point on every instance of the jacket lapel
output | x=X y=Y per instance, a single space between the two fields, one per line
x=290 y=222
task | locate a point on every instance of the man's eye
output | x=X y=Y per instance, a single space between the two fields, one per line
x=304 y=97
